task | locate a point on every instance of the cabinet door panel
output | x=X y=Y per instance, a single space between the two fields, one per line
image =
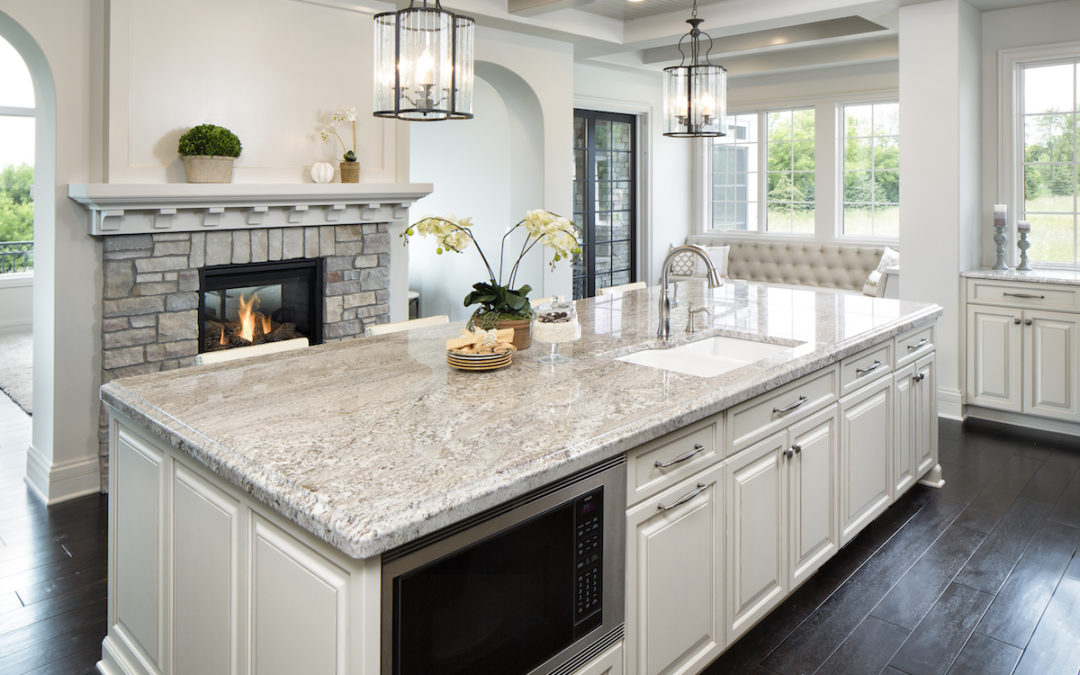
x=993 y=361
x=674 y=590
x=1050 y=351
x=756 y=532
x=906 y=430
x=813 y=505
x=138 y=542
x=924 y=410
x=205 y=577
x=298 y=606
x=865 y=450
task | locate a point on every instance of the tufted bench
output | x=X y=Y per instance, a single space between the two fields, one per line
x=798 y=263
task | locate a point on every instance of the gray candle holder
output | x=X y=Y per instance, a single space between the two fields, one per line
x=1023 y=245
x=1000 y=239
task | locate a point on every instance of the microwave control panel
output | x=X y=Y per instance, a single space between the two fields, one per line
x=589 y=558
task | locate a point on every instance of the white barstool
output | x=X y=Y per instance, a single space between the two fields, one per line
x=616 y=290
x=398 y=326
x=221 y=356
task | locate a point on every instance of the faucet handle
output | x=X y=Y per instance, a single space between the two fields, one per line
x=690 y=327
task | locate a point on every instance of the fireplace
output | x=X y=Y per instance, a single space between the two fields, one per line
x=255 y=303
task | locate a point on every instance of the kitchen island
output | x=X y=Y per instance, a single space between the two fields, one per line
x=246 y=494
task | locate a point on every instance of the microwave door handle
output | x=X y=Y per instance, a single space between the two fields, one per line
x=701 y=487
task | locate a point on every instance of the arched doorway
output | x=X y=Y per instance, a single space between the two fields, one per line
x=490 y=169
x=44 y=152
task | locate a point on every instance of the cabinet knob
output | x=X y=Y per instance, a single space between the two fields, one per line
x=1016 y=321
x=788 y=454
x=1027 y=322
x=797 y=448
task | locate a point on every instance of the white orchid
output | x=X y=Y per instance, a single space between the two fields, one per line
x=341 y=114
x=542 y=227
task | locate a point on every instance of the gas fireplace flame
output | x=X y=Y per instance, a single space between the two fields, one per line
x=247 y=317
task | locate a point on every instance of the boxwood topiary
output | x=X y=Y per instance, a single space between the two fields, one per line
x=209 y=139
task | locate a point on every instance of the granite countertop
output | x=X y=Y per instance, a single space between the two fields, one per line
x=371 y=443
x=1042 y=276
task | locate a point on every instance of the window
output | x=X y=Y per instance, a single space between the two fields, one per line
x=787 y=191
x=16 y=162
x=1049 y=105
x=871 y=170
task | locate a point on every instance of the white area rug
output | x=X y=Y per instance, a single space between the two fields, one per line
x=16 y=369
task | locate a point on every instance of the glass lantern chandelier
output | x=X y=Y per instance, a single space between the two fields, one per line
x=424 y=63
x=695 y=95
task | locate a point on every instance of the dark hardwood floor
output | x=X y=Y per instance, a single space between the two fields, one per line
x=981 y=576
x=52 y=568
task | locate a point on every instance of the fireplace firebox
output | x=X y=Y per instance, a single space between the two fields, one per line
x=242 y=305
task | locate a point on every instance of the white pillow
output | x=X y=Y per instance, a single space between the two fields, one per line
x=875 y=283
x=719 y=257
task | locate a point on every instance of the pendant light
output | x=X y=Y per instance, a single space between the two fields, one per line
x=424 y=63
x=695 y=95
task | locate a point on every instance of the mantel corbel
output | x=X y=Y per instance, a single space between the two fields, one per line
x=144 y=208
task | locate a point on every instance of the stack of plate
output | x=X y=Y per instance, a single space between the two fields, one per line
x=477 y=361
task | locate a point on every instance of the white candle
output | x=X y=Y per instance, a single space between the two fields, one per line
x=1023 y=226
x=1000 y=214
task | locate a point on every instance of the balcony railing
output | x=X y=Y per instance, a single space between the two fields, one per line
x=16 y=256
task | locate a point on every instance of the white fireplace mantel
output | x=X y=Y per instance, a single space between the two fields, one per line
x=117 y=208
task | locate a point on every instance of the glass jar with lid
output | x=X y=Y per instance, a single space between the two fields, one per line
x=555 y=323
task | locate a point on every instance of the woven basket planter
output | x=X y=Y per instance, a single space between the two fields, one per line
x=208 y=169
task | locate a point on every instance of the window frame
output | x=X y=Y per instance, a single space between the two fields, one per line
x=1011 y=63
x=841 y=156
x=828 y=168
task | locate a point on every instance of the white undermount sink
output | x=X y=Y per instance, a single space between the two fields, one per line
x=709 y=357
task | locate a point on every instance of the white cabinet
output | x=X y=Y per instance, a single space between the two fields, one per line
x=1021 y=357
x=904 y=430
x=924 y=411
x=609 y=662
x=865 y=454
x=781 y=515
x=993 y=358
x=814 y=527
x=674 y=589
x=756 y=532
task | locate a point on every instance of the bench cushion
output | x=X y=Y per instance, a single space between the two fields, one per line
x=801 y=264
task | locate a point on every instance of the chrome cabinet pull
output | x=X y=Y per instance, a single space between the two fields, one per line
x=797 y=448
x=790 y=407
x=1026 y=296
x=789 y=453
x=698 y=447
x=918 y=344
x=1027 y=322
x=1017 y=321
x=701 y=487
x=870 y=369
x=919 y=378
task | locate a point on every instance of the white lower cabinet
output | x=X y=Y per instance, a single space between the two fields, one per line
x=865 y=455
x=674 y=583
x=924 y=408
x=781 y=515
x=610 y=662
x=904 y=429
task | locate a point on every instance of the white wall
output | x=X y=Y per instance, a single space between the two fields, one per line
x=666 y=163
x=939 y=161
x=1029 y=26
x=65 y=58
x=269 y=70
x=17 y=302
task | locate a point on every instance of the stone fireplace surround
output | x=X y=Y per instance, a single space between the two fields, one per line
x=158 y=237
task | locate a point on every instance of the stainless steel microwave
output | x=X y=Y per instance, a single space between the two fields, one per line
x=534 y=586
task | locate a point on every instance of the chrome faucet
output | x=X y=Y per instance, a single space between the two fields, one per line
x=663 y=331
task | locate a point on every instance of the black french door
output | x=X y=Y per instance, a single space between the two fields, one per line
x=605 y=170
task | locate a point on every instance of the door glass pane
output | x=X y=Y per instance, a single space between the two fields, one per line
x=603 y=135
x=621 y=135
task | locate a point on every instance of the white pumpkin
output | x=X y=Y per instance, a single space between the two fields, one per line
x=322 y=172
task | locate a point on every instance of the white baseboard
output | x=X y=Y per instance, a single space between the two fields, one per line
x=1027 y=421
x=9 y=326
x=60 y=482
x=950 y=404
